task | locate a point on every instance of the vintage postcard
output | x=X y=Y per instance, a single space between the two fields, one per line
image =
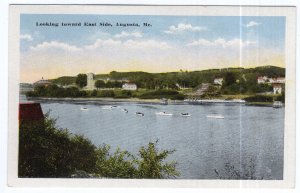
x=152 y=96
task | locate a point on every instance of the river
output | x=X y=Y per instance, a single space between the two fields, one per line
x=247 y=134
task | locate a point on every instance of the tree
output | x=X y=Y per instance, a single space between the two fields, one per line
x=229 y=79
x=100 y=84
x=81 y=80
x=48 y=151
x=152 y=165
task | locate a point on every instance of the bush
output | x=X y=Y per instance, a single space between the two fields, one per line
x=158 y=94
x=106 y=93
x=46 y=151
x=281 y=97
x=259 y=98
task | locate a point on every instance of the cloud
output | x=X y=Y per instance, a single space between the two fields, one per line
x=26 y=37
x=103 y=43
x=181 y=27
x=125 y=34
x=55 y=45
x=252 y=24
x=146 y=44
x=233 y=43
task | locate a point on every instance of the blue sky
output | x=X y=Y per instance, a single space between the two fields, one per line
x=170 y=44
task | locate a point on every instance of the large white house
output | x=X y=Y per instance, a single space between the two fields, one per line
x=129 y=86
x=265 y=79
x=218 y=81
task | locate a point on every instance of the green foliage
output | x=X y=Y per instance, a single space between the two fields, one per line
x=281 y=97
x=158 y=94
x=46 y=151
x=120 y=164
x=152 y=165
x=211 y=92
x=259 y=98
x=81 y=80
x=64 y=80
x=123 y=94
x=105 y=93
x=55 y=91
x=229 y=79
x=100 y=84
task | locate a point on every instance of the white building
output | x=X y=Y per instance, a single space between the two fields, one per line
x=262 y=79
x=129 y=86
x=277 y=80
x=218 y=81
x=265 y=79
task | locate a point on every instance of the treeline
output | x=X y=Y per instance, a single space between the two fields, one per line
x=74 y=92
x=47 y=151
x=245 y=78
x=55 y=91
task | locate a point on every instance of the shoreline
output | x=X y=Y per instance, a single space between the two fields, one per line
x=147 y=101
x=104 y=100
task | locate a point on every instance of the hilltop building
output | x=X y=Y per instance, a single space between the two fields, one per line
x=42 y=82
x=266 y=80
x=277 y=83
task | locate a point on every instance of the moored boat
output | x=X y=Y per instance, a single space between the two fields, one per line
x=277 y=104
x=164 y=113
x=140 y=114
x=84 y=109
x=185 y=114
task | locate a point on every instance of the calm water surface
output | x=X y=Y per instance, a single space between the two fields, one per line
x=202 y=144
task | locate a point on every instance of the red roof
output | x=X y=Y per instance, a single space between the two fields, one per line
x=30 y=112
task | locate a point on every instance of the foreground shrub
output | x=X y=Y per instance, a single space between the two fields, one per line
x=47 y=151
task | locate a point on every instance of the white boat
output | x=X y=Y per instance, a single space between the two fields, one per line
x=84 y=109
x=277 y=104
x=164 y=113
x=125 y=110
x=107 y=107
x=215 y=116
x=185 y=114
x=140 y=114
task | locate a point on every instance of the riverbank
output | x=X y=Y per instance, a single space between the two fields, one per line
x=102 y=100
x=107 y=100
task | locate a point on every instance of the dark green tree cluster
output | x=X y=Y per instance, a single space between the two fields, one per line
x=46 y=151
x=55 y=91
x=169 y=94
x=81 y=80
x=108 y=84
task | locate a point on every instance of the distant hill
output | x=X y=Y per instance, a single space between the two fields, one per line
x=184 y=78
x=64 y=80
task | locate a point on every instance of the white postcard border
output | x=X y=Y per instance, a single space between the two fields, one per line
x=290 y=111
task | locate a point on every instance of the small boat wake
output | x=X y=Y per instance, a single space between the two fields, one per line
x=215 y=116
